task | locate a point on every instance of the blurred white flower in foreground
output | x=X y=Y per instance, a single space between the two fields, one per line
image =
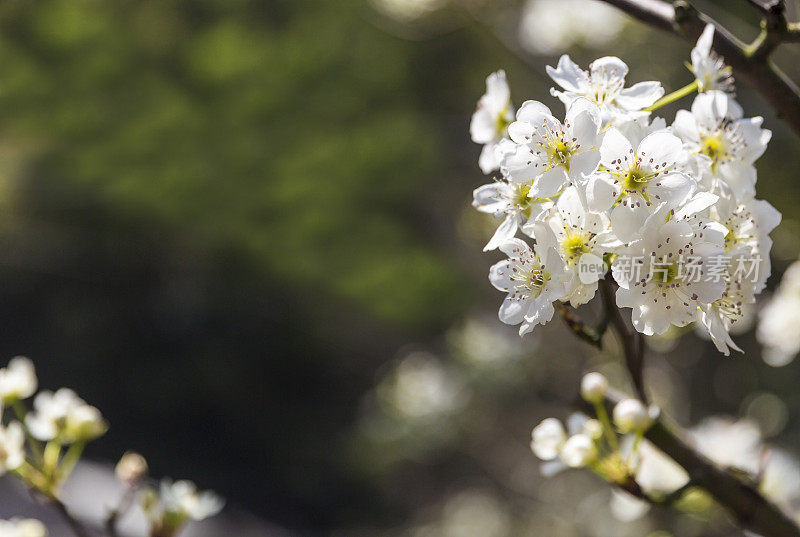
x=17 y=380
x=778 y=321
x=407 y=10
x=422 y=388
x=475 y=513
x=64 y=416
x=489 y=123
x=22 y=528
x=547 y=26
x=12 y=441
x=728 y=442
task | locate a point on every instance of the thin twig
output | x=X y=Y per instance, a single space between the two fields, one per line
x=592 y=336
x=749 y=62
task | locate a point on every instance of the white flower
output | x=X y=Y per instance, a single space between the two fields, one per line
x=22 y=528
x=631 y=416
x=719 y=316
x=663 y=276
x=64 y=416
x=552 y=154
x=729 y=443
x=582 y=239
x=183 y=498
x=708 y=68
x=594 y=387
x=636 y=182
x=12 y=442
x=491 y=119
x=511 y=201
x=603 y=84
x=716 y=131
x=578 y=451
x=532 y=278
x=547 y=438
x=778 y=321
x=656 y=473
x=780 y=480
x=547 y=27
x=17 y=380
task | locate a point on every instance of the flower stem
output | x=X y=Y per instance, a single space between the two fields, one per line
x=608 y=430
x=33 y=443
x=71 y=459
x=674 y=96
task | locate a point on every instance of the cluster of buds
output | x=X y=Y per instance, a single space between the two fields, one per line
x=601 y=442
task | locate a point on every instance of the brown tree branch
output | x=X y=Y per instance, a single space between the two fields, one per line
x=749 y=62
x=738 y=495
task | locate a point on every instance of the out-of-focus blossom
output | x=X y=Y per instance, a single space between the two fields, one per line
x=131 y=468
x=548 y=438
x=175 y=503
x=475 y=513
x=734 y=443
x=548 y=26
x=64 y=416
x=594 y=387
x=778 y=321
x=422 y=388
x=26 y=527
x=12 y=441
x=407 y=10
x=17 y=380
x=489 y=124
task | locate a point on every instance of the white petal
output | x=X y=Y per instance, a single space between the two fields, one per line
x=488 y=159
x=601 y=192
x=627 y=221
x=549 y=183
x=640 y=95
x=661 y=149
x=533 y=112
x=567 y=74
x=505 y=231
x=685 y=127
x=615 y=149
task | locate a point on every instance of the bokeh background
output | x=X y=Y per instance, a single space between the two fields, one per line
x=242 y=229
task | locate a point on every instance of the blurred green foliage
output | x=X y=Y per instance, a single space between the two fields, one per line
x=285 y=129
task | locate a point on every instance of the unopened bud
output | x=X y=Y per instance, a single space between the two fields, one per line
x=631 y=416
x=131 y=468
x=594 y=387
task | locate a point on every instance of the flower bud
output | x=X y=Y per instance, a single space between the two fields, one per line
x=578 y=451
x=30 y=528
x=631 y=416
x=594 y=387
x=131 y=468
x=593 y=429
x=547 y=439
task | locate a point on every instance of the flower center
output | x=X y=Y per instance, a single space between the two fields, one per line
x=559 y=152
x=575 y=245
x=530 y=280
x=668 y=274
x=635 y=180
x=715 y=148
x=501 y=123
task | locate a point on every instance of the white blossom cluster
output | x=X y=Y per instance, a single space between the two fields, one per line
x=173 y=504
x=669 y=210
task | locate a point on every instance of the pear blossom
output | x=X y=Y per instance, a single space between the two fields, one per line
x=664 y=277
x=512 y=202
x=548 y=438
x=491 y=119
x=533 y=278
x=715 y=130
x=175 y=503
x=12 y=441
x=546 y=26
x=65 y=417
x=603 y=84
x=550 y=153
x=17 y=380
x=27 y=527
x=709 y=70
x=582 y=238
x=779 y=319
x=636 y=182
x=728 y=442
